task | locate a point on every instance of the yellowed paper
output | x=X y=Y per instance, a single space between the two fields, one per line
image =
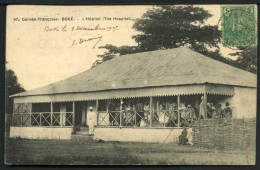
x=162 y=99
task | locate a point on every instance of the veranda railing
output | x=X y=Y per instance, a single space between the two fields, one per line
x=133 y=118
x=56 y=119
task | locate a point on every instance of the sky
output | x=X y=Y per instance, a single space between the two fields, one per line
x=44 y=52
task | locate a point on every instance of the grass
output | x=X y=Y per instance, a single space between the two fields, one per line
x=84 y=151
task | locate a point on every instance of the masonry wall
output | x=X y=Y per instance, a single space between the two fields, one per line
x=40 y=132
x=138 y=135
x=243 y=103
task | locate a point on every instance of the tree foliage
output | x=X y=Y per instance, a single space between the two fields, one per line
x=247 y=58
x=113 y=51
x=12 y=86
x=165 y=27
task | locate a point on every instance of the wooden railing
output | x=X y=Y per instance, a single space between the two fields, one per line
x=132 y=118
x=56 y=119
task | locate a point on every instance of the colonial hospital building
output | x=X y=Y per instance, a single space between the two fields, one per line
x=141 y=97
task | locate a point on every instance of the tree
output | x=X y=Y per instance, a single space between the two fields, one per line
x=247 y=58
x=12 y=86
x=113 y=51
x=165 y=27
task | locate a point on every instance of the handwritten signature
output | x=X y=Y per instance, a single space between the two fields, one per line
x=81 y=41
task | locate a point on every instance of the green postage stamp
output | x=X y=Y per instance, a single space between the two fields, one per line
x=239 y=25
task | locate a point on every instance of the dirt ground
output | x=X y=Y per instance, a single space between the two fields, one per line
x=84 y=151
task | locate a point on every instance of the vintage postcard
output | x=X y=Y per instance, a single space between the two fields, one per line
x=131 y=85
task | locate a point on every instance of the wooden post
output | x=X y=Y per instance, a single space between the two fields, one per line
x=205 y=105
x=73 y=117
x=51 y=113
x=21 y=119
x=151 y=110
x=40 y=119
x=135 y=119
x=14 y=108
x=30 y=117
x=121 y=101
x=179 y=116
x=108 y=113
x=97 y=112
x=164 y=113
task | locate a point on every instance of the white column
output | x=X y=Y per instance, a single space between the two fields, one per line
x=73 y=116
x=151 y=108
x=179 y=116
x=97 y=112
x=121 y=101
x=51 y=113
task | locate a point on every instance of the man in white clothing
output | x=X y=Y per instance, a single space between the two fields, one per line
x=91 y=118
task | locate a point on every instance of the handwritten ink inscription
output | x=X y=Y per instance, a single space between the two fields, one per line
x=80 y=28
x=66 y=28
x=81 y=41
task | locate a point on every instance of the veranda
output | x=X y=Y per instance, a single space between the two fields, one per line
x=145 y=112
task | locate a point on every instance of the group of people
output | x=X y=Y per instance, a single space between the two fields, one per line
x=215 y=112
x=186 y=136
x=132 y=113
x=138 y=114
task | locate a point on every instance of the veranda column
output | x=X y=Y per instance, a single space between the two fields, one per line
x=108 y=113
x=205 y=105
x=97 y=112
x=179 y=116
x=121 y=102
x=31 y=116
x=73 y=117
x=151 y=107
x=51 y=113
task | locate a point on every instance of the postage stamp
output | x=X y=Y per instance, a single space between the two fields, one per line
x=238 y=26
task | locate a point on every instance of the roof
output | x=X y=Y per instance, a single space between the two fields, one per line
x=178 y=66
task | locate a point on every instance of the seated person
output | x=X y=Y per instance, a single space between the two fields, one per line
x=143 y=123
x=163 y=117
x=191 y=112
x=174 y=106
x=213 y=110
x=183 y=137
x=146 y=111
x=182 y=106
x=209 y=110
x=219 y=111
x=172 y=120
x=228 y=111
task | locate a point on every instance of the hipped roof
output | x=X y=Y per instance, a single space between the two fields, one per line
x=178 y=66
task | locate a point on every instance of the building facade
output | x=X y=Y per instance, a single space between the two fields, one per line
x=142 y=97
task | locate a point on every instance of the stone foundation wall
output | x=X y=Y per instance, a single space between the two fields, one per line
x=138 y=135
x=41 y=132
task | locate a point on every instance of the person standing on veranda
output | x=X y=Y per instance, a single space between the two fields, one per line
x=91 y=120
x=202 y=111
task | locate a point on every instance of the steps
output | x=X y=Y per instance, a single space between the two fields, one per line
x=82 y=133
x=83 y=128
x=81 y=137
